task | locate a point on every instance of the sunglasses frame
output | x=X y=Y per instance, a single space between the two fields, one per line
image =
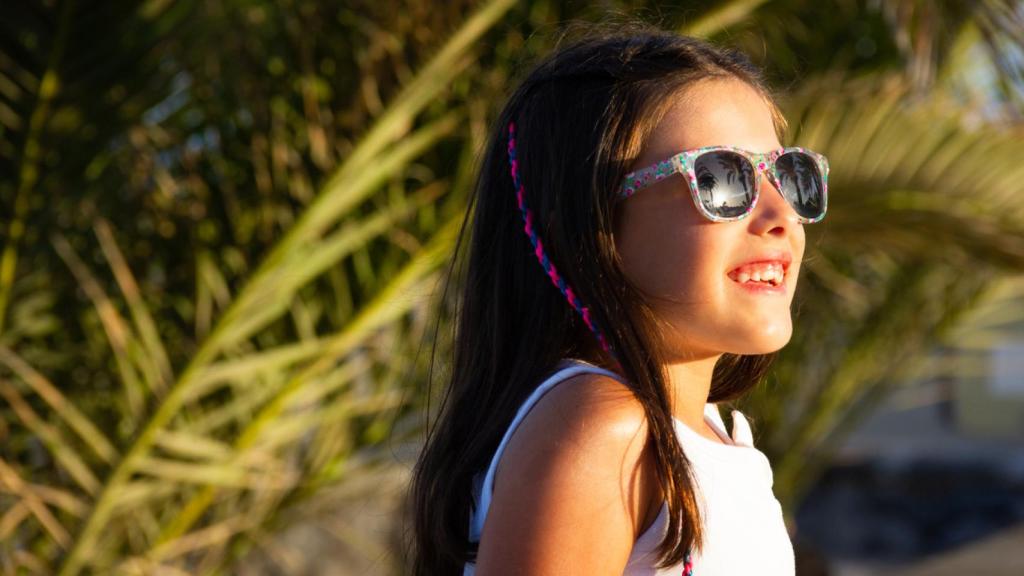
x=763 y=163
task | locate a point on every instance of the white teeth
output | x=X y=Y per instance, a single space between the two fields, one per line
x=771 y=274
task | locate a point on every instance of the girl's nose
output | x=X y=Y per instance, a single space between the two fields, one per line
x=772 y=212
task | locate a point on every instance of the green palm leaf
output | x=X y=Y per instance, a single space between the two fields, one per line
x=156 y=458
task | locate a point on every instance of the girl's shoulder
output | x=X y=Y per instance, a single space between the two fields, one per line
x=591 y=393
x=583 y=404
x=588 y=408
x=583 y=446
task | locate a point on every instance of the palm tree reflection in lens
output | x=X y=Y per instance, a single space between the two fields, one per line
x=801 y=182
x=725 y=177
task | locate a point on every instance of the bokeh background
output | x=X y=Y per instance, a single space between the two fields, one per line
x=226 y=224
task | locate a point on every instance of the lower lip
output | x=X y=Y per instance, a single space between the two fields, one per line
x=761 y=288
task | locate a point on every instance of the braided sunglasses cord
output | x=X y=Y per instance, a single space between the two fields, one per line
x=538 y=246
x=549 y=268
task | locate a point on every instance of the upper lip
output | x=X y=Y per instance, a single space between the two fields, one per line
x=776 y=257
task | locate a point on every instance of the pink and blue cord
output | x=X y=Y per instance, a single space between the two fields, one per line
x=538 y=246
x=549 y=268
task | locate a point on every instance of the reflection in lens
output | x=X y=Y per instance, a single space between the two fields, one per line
x=725 y=183
x=801 y=184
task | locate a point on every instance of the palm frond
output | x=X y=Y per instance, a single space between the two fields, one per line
x=156 y=458
x=721 y=17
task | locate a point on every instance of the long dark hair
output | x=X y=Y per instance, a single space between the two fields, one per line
x=582 y=116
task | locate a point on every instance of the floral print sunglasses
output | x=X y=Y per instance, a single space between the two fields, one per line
x=725 y=181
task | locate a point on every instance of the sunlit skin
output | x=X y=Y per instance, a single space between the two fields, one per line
x=680 y=260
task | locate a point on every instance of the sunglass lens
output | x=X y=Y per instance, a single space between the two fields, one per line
x=801 y=183
x=725 y=183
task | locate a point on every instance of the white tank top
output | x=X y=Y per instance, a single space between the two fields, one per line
x=743 y=523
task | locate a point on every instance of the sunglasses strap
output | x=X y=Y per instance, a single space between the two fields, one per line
x=538 y=246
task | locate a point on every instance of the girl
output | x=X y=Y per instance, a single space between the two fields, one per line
x=637 y=238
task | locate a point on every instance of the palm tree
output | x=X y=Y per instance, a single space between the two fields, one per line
x=264 y=408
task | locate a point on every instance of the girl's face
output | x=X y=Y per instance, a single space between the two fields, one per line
x=688 y=266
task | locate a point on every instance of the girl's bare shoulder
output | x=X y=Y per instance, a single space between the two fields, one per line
x=590 y=418
x=581 y=453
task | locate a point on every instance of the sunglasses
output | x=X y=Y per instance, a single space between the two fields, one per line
x=725 y=181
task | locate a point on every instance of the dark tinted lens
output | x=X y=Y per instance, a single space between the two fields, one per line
x=725 y=183
x=801 y=183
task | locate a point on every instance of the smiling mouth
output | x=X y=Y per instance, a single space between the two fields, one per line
x=771 y=274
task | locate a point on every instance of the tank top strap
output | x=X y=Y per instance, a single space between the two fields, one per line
x=483 y=487
x=741 y=434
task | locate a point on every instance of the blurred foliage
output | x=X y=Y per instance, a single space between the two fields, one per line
x=223 y=222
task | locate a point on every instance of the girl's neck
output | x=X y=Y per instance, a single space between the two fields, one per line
x=689 y=383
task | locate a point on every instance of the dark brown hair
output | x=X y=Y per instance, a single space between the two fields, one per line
x=582 y=115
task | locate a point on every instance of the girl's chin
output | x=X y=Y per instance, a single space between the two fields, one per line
x=753 y=337
x=764 y=338
x=766 y=341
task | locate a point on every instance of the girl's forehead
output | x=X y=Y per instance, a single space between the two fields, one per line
x=715 y=112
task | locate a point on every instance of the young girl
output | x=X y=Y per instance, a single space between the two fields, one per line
x=636 y=241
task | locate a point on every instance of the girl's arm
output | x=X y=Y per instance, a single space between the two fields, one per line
x=575 y=486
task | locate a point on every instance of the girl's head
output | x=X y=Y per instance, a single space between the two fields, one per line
x=686 y=268
x=655 y=278
x=649 y=271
